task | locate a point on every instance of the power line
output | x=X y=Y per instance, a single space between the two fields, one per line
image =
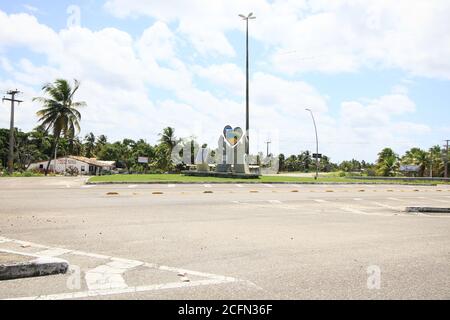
x=11 y=93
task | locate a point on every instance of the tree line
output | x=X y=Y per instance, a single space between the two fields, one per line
x=59 y=125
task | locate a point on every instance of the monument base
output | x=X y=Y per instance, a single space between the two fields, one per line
x=221 y=174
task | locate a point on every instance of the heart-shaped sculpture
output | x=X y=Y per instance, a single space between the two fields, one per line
x=232 y=136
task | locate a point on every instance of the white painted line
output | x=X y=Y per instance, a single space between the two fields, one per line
x=170 y=186
x=96 y=293
x=395 y=199
x=352 y=210
x=357 y=199
x=239 y=185
x=441 y=201
x=87 y=186
x=20 y=253
x=107 y=279
x=320 y=200
x=90 y=255
x=385 y=205
x=132 y=186
x=207 y=185
x=274 y=201
x=269 y=185
x=53 y=252
x=3 y=240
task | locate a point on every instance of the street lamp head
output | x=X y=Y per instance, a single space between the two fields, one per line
x=307 y=109
x=249 y=16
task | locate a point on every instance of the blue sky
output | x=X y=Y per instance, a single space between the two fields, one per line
x=375 y=74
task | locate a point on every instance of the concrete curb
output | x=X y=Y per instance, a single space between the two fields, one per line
x=427 y=210
x=43 y=266
x=257 y=182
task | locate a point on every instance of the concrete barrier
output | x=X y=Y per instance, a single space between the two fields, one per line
x=36 y=268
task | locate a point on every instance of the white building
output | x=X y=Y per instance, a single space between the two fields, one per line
x=82 y=165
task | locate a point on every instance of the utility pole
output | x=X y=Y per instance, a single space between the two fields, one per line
x=267 y=142
x=446 y=159
x=13 y=94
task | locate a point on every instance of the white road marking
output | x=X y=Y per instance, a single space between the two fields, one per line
x=107 y=279
x=239 y=185
x=352 y=210
x=357 y=199
x=274 y=201
x=109 y=275
x=320 y=200
x=87 y=186
x=132 y=186
x=207 y=185
x=395 y=199
x=96 y=293
x=53 y=252
x=268 y=185
x=170 y=186
x=384 y=205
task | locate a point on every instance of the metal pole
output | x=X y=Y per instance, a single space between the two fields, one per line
x=247 y=102
x=317 y=144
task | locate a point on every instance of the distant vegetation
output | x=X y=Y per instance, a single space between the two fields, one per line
x=38 y=145
x=59 y=123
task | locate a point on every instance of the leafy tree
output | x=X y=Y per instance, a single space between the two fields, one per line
x=387 y=163
x=418 y=157
x=59 y=113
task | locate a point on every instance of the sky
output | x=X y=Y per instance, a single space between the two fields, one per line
x=375 y=73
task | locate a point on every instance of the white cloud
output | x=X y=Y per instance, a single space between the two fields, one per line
x=325 y=36
x=122 y=77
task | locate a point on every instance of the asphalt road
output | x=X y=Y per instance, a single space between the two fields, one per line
x=227 y=241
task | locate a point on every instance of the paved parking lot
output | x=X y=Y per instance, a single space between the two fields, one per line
x=233 y=241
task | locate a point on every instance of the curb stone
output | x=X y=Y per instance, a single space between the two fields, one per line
x=43 y=266
x=427 y=210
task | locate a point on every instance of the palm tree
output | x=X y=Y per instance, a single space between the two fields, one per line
x=417 y=157
x=168 y=141
x=387 y=163
x=59 y=112
x=89 y=145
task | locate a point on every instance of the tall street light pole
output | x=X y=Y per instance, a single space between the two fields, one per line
x=12 y=93
x=317 y=144
x=247 y=99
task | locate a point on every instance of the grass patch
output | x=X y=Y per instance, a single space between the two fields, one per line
x=177 y=178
